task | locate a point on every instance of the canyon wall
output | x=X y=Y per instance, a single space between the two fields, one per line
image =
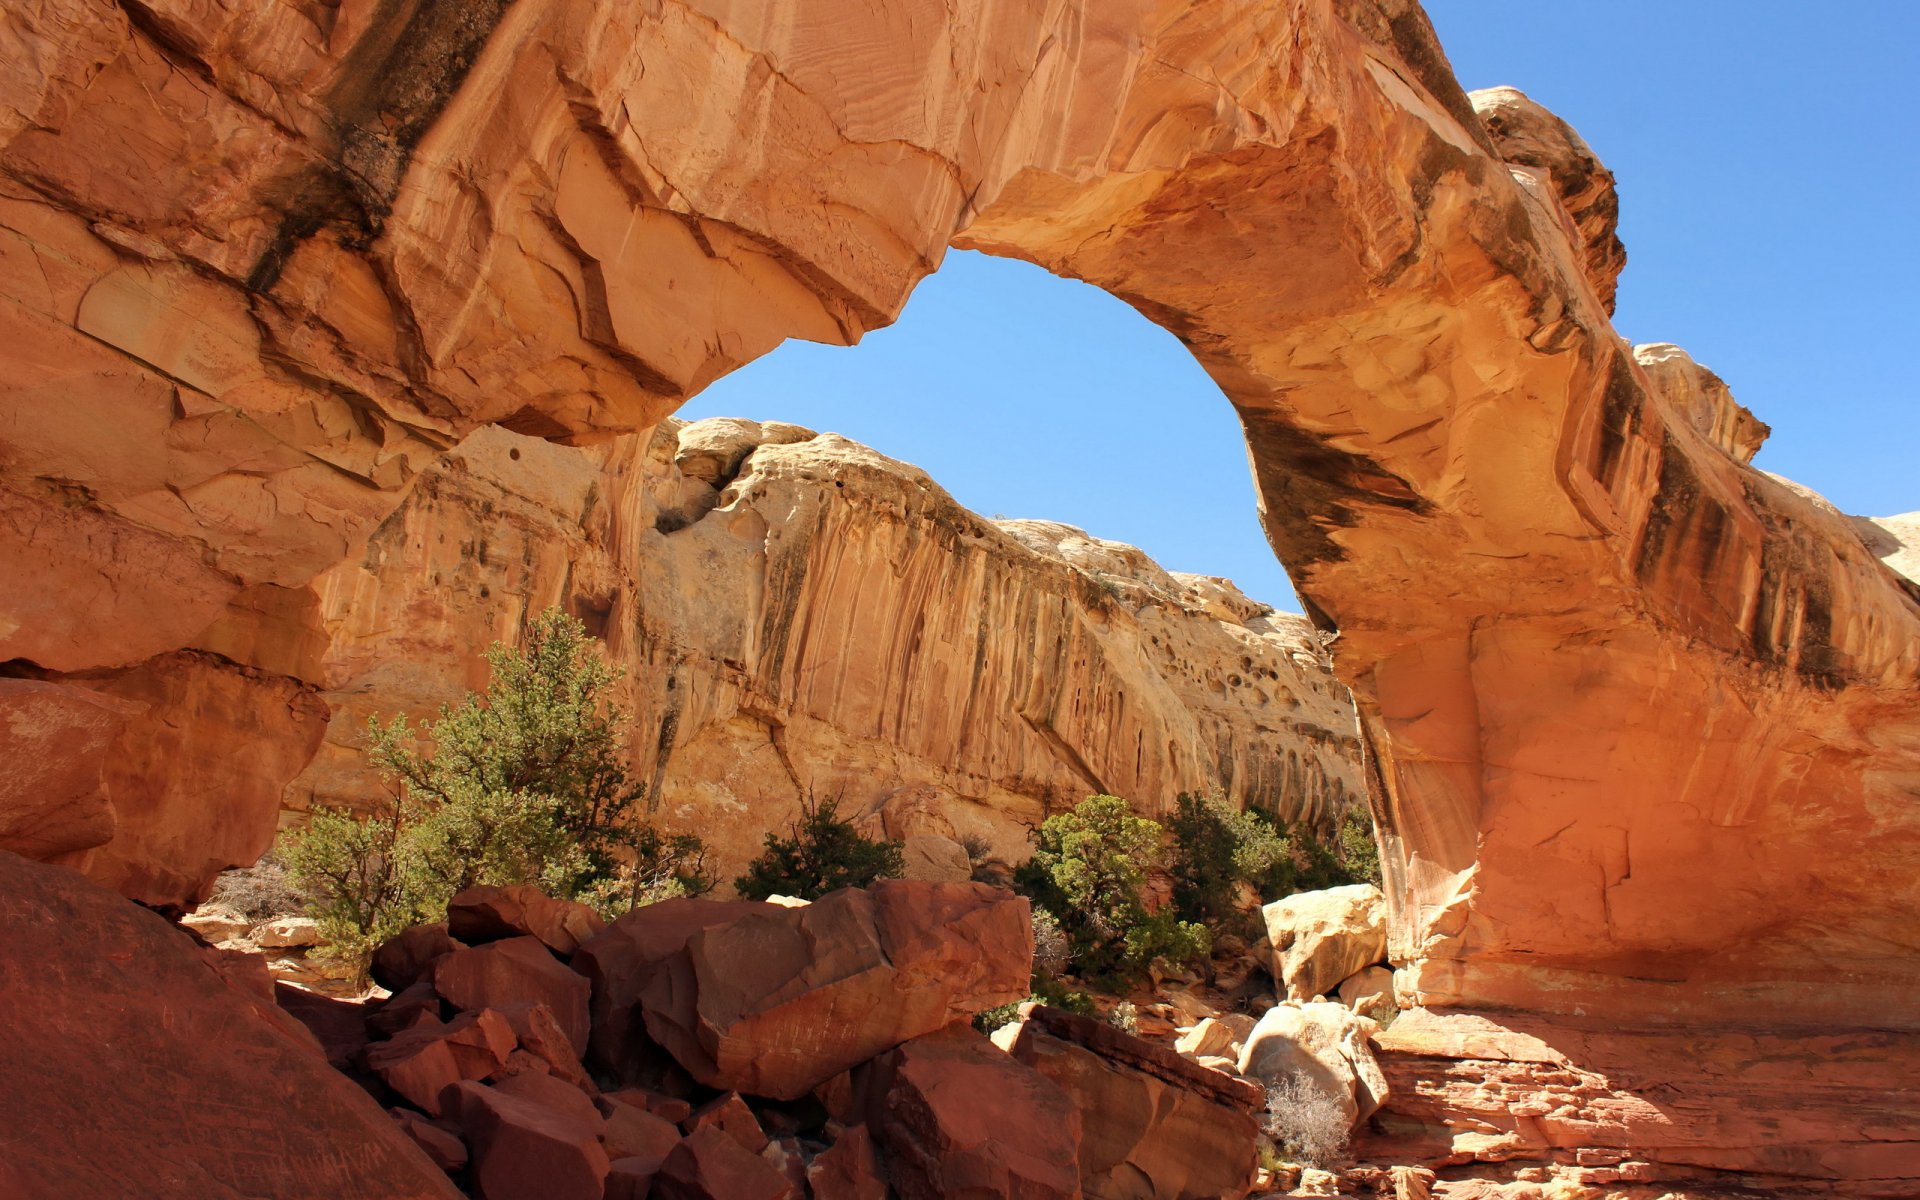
x=1642 y=721
x=795 y=613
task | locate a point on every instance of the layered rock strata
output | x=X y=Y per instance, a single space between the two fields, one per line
x=796 y=614
x=1642 y=720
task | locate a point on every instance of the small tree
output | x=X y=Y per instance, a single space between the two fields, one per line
x=1089 y=868
x=525 y=784
x=824 y=854
x=1217 y=846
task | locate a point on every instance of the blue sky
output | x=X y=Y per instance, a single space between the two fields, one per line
x=1768 y=159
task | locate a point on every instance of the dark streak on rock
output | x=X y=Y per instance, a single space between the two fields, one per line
x=392 y=86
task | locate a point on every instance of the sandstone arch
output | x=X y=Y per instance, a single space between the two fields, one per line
x=1647 y=745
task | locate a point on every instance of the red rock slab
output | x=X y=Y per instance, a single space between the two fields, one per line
x=488 y=914
x=630 y=1179
x=54 y=738
x=849 y=1169
x=442 y=1145
x=529 y=1144
x=619 y=961
x=556 y=1094
x=540 y=1035
x=408 y=956
x=710 y=1165
x=776 y=1003
x=126 y=1057
x=636 y=1134
x=423 y=1062
x=417 y=1005
x=957 y=1117
x=1154 y=1126
x=670 y=1109
x=730 y=1115
x=513 y=973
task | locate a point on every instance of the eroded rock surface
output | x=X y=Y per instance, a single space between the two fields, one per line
x=1646 y=750
x=132 y=1065
x=802 y=614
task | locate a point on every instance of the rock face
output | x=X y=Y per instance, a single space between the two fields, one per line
x=258 y=275
x=798 y=613
x=127 y=1057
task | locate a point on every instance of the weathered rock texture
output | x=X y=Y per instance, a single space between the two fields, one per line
x=1643 y=722
x=134 y=1068
x=797 y=612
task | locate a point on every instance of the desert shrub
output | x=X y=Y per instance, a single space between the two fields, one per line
x=1052 y=952
x=1088 y=868
x=259 y=893
x=822 y=854
x=363 y=879
x=527 y=783
x=1306 y=1124
x=1125 y=1016
x=1216 y=846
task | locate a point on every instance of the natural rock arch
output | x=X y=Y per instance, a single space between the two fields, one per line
x=1644 y=718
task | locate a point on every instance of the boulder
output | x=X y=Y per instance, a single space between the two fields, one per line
x=630 y=1179
x=1208 y=1038
x=670 y=1109
x=488 y=914
x=1324 y=1046
x=731 y=1116
x=286 y=933
x=633 y=1134
x=530 y=1143
x=619 y=960
x=540 y=1035
x=1317 y=939
x=849 y=1169
x=127 y=1057
x=710 y=1165
x=1370 y=993
x=441 y=1145
x=957 y=1117
x=417 y=1005
x=408 y=956
x=216 y=924
x=935 y=858
x=1154 y=1126
x=514 y=973
x=777 y=1002
x=423 y=1062
x=785 y=1155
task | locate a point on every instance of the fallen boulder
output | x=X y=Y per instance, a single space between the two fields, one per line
x=710 y=1165
x=775 y=1003
x=127 y=1057
x=408 y=956
x=529 y=1143
x=513 y=973
x=488 y=914
x=849 y=1169
x=1326 y=1048
x=959 y=1118
x=1154 y=1126
x=619 y=960
x=423 y=1062
x=1317 y=939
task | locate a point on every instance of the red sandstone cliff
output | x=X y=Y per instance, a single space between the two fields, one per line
x=1644 y=753
x=797 y=612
